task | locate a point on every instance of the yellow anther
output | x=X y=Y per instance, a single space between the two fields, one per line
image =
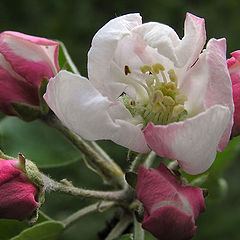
x=146 y=68
x=127 y=70
x=157 y=67
x=168 y=101
x=180 y=99
x=171 y=85
x=157 y=108
x=150 y=80
x=172 y=75
x=157 y=97
x=177 y=110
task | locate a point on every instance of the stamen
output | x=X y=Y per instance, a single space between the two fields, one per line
x=146 y=68
x=127 y=70
x=164 y=77
x=150 y=80
x=158 y=98
x=177 y=110
x=172 y=75
x=168 y=101
x=157 y=67
x=180 y=99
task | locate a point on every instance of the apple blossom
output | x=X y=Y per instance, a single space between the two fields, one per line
x=234 y=70
x=170 y=209
x=17 y=192
x=149 y=88
x=24 y=62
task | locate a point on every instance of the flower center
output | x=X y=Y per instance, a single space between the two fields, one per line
x=158 y=98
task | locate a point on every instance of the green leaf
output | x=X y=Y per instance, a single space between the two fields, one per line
x=49 y=230
x=43 y=145
x=64 y=59
x=125 y=237
x=131 y=178
x=11 y=228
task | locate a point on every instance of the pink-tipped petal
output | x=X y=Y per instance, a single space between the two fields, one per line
x=192 y=142
x=170 y=223
x=182 y=52
x=236 y=98
x=31 y=57
x=13 y=88
x=169 y=208
x=219 y=88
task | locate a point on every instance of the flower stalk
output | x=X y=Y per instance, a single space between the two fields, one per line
x=86 y=210
x=138 y=230
x=51 y=185
x=101 y=162
x=120 y=227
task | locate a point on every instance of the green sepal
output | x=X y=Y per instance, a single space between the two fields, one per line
x=26 y=112
x=64 y=59
x=41 y=91
x=31 y=171
x=131 y=178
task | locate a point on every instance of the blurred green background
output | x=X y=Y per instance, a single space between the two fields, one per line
x=75 y=22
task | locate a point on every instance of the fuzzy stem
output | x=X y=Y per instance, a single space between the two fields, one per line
x=120 y=227
x=4 y=156
x=138 y=231
x=139 y=159
x=51 y=185
x=84 y=211
x=105 y=166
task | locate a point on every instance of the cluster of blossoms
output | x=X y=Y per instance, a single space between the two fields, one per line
x=147 y=89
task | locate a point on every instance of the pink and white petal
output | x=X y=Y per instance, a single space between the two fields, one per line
x=83 y=109
x=193 y=41
x=192 y=142
x=219 y=88
x=236 y=55
x=103 y=48
x=182 y=52
x=169 y=223
x=28 y=60
x=24 y=45
x=14 y=89
x=230 y=62
x=235 y=77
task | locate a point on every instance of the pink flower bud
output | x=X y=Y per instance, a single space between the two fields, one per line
x=234 y=70
x=170 y=209
x=17 y=194
x=24 y=62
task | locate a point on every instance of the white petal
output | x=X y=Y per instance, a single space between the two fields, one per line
x=192 y=142
x=86 y=112
x=193 y=84
x=182 y=52
x=103 y=48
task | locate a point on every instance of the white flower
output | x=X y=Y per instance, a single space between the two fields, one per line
x=148 y=87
